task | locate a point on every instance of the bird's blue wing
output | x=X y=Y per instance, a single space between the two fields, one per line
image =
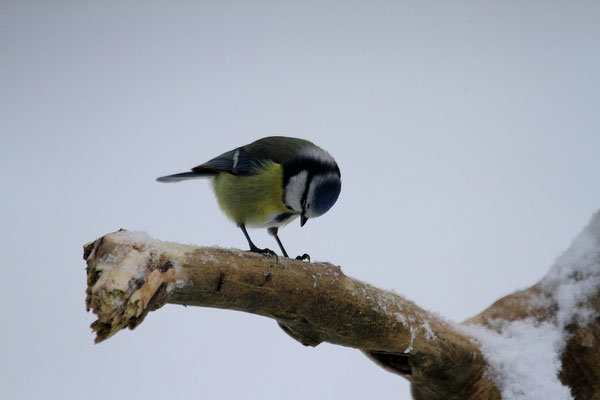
x=246 y=160
x=236 y=162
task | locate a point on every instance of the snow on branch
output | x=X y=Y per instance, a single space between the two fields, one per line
x=542 y=343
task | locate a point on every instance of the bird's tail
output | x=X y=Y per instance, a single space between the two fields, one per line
x=184 y=176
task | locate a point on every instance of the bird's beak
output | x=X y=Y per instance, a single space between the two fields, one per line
x=303 y=219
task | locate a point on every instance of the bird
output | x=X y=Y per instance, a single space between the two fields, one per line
x=269 y=183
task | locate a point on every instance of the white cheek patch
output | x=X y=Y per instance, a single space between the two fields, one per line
x=294 y=191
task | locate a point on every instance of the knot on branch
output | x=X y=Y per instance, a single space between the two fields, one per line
x=127 y=277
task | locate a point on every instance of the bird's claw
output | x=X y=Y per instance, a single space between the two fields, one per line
x=303 y=257
x=265 y=251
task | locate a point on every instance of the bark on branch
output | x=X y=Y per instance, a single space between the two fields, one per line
x=130 y=274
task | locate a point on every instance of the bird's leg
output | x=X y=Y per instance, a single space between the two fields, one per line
x=253 y=247
x=273 y=232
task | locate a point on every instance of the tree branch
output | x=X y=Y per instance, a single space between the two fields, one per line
x=130 y=274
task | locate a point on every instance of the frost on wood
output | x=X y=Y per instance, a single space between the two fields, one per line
x=542 y=342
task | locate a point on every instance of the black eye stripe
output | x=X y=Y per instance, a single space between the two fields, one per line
x=305 y=194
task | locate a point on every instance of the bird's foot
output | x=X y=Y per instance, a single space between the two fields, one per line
x=303 y=257
x=265 y=251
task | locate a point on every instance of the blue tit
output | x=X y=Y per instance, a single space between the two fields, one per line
x=271 y=182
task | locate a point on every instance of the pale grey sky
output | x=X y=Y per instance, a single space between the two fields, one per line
x=467 y=134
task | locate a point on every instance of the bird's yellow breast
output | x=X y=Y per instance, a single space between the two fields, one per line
x=252 y=200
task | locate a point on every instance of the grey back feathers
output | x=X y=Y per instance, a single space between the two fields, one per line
x=246 y=160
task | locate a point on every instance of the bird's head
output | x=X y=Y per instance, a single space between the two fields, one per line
x=312 y=183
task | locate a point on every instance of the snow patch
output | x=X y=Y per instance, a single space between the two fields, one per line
x=413 y=332
x=401 y=318
x=524 y=359
x=524 y=356
x=429 y=334
x=575 y=276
